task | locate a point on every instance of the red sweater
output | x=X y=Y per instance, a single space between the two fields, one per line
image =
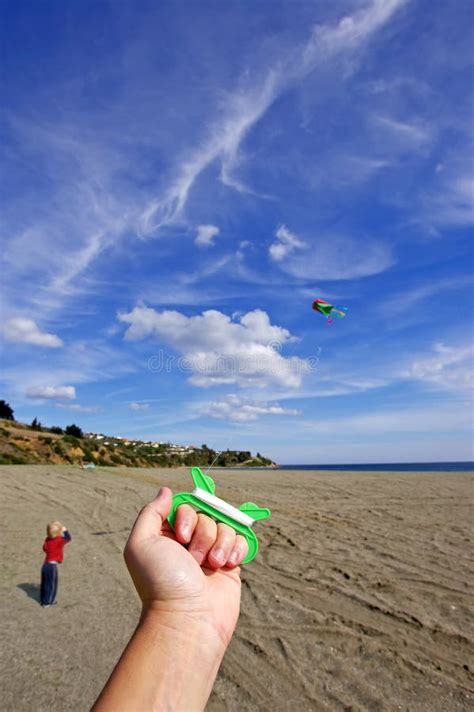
x=54 y=547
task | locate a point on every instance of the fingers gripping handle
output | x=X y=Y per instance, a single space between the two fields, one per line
x=203 y=499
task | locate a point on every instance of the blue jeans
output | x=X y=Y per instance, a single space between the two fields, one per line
x=49 y=583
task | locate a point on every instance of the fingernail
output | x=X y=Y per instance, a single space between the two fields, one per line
x=233 y=557
x=218 y=555
x=186 y=533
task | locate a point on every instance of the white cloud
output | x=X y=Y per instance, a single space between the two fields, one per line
x=242 y=410
x=26 y=331
x=334 y=257
x=350 y=32
x=205 y=235
x=449 y=367
x=286 y=243
x=138 y=406
x=219 y=349
x=52 y=392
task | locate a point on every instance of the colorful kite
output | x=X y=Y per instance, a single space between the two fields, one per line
x=328 y=310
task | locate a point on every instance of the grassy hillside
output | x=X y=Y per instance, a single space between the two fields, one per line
x=23 y=445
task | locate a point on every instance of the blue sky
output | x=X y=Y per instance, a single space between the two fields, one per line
x=182 y=179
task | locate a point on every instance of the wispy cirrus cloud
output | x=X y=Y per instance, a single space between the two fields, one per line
x=448 y=367
x=403 y=134
x=40 y=376
x=337 y=257
x=245 y=107
x=450 y=202
x=241 y=113
x=88 y=198
x=401 y=420
x=86 y=212
x=408 y=299
x=77 y=408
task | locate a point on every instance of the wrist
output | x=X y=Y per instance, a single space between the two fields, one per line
x=189 y=629
x=188 y=652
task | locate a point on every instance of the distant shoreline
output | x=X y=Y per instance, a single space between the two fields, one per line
x=466 y=466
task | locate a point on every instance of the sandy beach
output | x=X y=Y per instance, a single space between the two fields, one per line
x=360 y=597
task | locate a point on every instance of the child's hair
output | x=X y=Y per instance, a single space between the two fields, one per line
x=54 y=529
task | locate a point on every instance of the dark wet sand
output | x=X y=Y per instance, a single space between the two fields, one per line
x=360 y=598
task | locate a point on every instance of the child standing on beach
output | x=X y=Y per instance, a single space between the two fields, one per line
x=57 y=537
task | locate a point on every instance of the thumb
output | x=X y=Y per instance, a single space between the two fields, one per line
x=152 y=516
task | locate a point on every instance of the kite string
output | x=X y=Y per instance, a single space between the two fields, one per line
x=217 y=456
x=212 y=462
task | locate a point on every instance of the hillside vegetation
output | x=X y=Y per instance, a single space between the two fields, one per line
x=35 y=444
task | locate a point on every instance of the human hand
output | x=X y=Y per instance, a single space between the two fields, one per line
x=202 y=580
x=191 y=599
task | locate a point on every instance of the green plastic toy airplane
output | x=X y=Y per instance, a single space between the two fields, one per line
x=204 y=499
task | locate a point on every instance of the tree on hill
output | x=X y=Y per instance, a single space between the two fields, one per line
x=244 y=455
x=36 y=425
x=74 y=430
x=6 y=411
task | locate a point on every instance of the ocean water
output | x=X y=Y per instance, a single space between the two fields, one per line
x=391 y=467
